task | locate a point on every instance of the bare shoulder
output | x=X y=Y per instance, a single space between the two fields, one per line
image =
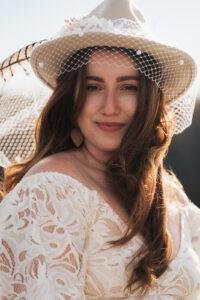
x=63 y=162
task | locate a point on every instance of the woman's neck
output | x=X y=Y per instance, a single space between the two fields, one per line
x=94 y=158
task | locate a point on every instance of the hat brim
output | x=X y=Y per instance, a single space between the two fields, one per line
x=179 y=68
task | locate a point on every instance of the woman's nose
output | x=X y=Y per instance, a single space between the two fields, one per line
x=110 y=105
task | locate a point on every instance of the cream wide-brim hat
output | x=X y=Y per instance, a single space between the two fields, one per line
x=114 y=23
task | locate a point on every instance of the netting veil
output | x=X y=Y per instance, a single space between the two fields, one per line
x=22 y=97
x=115 y=28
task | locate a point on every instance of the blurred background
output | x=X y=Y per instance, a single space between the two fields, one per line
x=175 y=22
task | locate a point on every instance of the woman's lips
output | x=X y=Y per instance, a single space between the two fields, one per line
x=110 y=126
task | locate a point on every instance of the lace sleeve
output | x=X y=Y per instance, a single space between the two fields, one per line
x=193 y=216
x=43 y=230
x=194 y=221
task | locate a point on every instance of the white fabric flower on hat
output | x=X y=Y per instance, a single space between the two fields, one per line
x=94 y=24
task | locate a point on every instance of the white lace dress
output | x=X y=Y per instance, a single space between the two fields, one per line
x=53 y=233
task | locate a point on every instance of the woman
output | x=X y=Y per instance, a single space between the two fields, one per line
x=92 y=214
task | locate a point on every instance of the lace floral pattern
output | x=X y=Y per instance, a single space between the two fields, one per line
x=53 y=234
x=95 y=24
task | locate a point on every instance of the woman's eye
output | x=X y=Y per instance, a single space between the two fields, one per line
x=92 y=87
x=130 y=87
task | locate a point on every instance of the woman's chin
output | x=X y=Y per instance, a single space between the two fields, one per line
x=110 y=148
x=109 y=145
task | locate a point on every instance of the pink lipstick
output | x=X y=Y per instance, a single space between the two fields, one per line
x=110 y=126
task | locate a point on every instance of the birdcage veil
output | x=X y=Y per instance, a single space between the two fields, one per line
x=114 y=30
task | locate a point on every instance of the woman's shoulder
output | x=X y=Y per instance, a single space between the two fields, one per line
x=54 y=175
x=178 y=201
x=174 y=190
x=65 y=167
x=52 y=182
x=58 y=171
x=63 y=163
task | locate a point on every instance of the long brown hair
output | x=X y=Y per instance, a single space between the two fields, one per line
x=135 y=170
x=136 y=174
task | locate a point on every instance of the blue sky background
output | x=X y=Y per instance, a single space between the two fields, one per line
x=176 y=22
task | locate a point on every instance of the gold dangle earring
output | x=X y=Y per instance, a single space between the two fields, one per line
x=77 y=137
x=160 y=136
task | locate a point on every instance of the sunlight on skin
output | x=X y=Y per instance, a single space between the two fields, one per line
x=111 y=102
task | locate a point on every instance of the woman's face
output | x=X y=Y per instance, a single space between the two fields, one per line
x=111 y=101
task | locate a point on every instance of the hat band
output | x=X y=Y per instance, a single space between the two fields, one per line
x=94 y=24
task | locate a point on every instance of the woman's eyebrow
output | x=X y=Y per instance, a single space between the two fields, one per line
x=124 y=78
x=119 y=79
x=95 y=78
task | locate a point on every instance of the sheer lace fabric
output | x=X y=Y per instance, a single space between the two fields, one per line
x=53 y=246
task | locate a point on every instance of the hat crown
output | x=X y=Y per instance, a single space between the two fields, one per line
x=119 y=24
x=119 y=9
x=110 y=16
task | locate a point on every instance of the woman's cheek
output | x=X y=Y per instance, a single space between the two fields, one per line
x=130 y=104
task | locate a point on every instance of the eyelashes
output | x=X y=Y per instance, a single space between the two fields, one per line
x=125 y=88
x=130 y=87
x=92 y=88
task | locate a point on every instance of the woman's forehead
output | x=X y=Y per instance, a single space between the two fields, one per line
x=114 y=57
x=104 y=61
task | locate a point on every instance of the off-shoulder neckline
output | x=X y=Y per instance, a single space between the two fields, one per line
x=100 y=198
x=81 y=185
x=41 y=173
